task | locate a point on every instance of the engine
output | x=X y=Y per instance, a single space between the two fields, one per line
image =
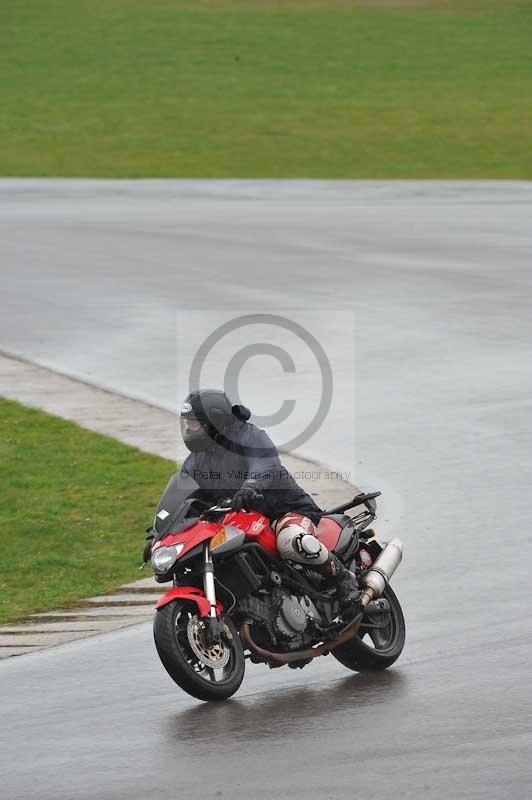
x=286 y=616
x=294 y=615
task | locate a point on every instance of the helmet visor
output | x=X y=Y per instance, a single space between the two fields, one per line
x=190 y=424
x=194 y=434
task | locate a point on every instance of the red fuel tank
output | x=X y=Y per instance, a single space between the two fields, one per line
x=256 y=527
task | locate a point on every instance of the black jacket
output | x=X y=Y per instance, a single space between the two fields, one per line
x=249 y=456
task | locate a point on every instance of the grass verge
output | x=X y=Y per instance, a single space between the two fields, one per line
x=73 y=508
x=266 y=88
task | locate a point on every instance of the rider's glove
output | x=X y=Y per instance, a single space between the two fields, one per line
x=245 y=498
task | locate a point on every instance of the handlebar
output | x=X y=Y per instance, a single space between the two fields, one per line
x=228 y=507
x=356 y=501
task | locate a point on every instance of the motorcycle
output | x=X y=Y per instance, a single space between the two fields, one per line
x=233 y=598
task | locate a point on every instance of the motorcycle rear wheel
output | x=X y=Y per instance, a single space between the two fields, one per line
x=375 y=649
x=208 y=673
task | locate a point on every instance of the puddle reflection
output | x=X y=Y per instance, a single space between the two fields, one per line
x=277 y=713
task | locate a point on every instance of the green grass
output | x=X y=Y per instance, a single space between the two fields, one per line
x=73 y=509
x=339 y=89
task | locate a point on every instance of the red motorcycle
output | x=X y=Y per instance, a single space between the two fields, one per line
x=232 y=593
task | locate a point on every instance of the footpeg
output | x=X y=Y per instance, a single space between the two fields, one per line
x=380 y=606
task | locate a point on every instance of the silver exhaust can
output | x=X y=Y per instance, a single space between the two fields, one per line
x=376 y=578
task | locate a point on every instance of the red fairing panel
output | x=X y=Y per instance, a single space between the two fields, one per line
x=255 y=526
x=189 y=593
x=199 y=532
x=328 y=533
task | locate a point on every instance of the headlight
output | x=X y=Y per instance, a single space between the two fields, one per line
x=165 y=557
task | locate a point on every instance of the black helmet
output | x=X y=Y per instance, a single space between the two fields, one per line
x=205 y=415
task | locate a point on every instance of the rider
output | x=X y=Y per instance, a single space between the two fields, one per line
x=230 y=456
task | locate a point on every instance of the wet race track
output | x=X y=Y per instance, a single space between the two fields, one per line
x=420 y=295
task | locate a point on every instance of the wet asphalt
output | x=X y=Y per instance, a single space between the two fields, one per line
x=420 y=294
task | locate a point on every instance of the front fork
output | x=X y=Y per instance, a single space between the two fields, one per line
x=208 y=580
x=214 y=626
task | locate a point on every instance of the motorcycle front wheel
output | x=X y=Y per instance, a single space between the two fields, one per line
x=379 y=641
x=208 y=672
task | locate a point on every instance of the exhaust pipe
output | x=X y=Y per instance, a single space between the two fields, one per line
x=298 y=655
x=375 y=580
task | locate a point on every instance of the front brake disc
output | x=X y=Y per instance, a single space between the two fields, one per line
x=215 y=655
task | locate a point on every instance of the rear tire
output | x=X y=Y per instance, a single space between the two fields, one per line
x=375 y=649
x=206 y=673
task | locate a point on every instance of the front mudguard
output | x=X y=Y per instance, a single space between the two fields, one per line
x=192 y=594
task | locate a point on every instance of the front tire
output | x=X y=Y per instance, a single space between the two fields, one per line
x=208 y=673
x=374 y=649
